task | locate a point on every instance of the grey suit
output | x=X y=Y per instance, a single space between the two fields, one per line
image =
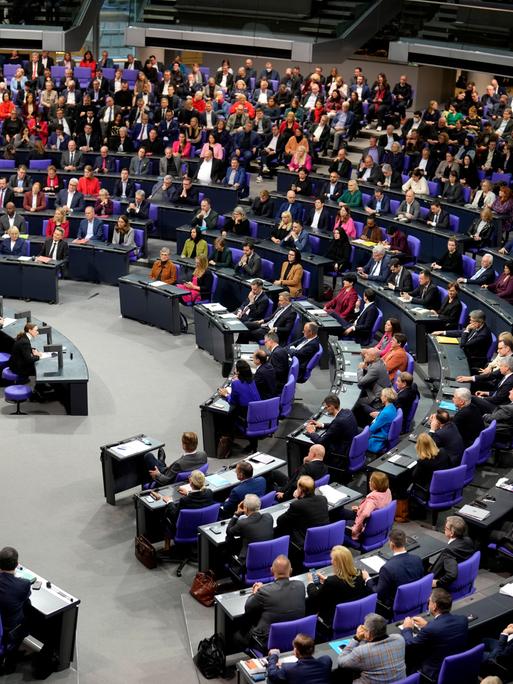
x=19 y=222
x=504 y=417
x=184 y=463
x=256 y=527
x=414 y=209
x=280 y=601
x=139 y=167
x=78 y=161
x=371 y=381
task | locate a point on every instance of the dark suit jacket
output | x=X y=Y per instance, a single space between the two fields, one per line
x=450 y=312
x=217 y=171
x=22 y=360
x=19 y=222
x=304 y=354
x=256 y=527
x=337 y=437
x=445 y=568
x=384 y=272
x=62 y=249
x=279 y=601
x=501 y=394
x=253 y=485
x=323 y=599
x=398 y=570
x=451 y=262
x=364 y=323
x=265 y=380
x=311 y=670
x=335 y=196
x=405 y=399
x=14 y=599
x=405 y=281
x=193 y=500
x=284 y=323
x=342 y=168
x=311 y=511
x=314 y=469
x=324 y=222
x=279 y=359
x=486 y=278
x=431 y=299
x=443 y=636
x=130 y=189
x=9 y=196
x=384 y=206
x=443 y=219
x=469 y=422
x=109 y=161
x=448 y=438
x=77 y=203
x=475 y=344
x=256 y=310
x=97 y=229
x=191 y=199
x=144 y=210
x=5 y=247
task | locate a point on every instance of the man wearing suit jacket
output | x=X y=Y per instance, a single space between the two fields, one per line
x=442 y=636
x=341 y=165
x=487 y=401
x=305 y=348
x=264 y=376
x=313 y=465
x=378 y=204
x=255 y=305
x=278 y=358
x=459 y=548
x=140 y=164
x=90 y=228
x=426 y=294
x=468 y=418
x=236 y=177
x=71 y=199
x=332 y=189
x=205 y=218
x=378 y=266
x=250 y=265
x=248 y=485
x=139 y=207
x=306 y=510
x=400 y=279
x=103 y=163
x=6 y=193
x=249 y=525
x=483 y=275
x=503 y=127
x=11 y=219
x=338 y=435
x=475 y=339
x=14 y=602
x=318 y=217
x=191 y=459
x=446 y=436
x=409 y=209
x=124 y=187
x=283 y=599
x=407 y=392
x=369 y=171
x=361 y=327
x=71 y=160
x=291 y=205
x=280 y=322
x=209 y=170
x=186 y=193
x=372 y=377
x=306 y=669
x=503 y=415
x=438 y=217
x=132 y=64
x=402 y=568
x=55 y=247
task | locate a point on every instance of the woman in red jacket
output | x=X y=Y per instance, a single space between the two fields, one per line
x=342 y=306
x=503 y=286
x=88 y=61
x=58 y=221
x=88 y=184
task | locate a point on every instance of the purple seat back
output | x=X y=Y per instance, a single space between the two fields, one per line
x=261 y=556
x=394 y=432
x=356 y=456
x=411 y=415
x=253 y=229
x=39 y=163
x=236 y=254
x=7 y=164
x=463 y=315
x=412 y=598
x=267 y=500
x=487 y=440
x=377 y=529
x=454 y=221
x=282 y=634
x=153 y=213
x=415 y=279
x=305 y=282
x=463 y=585
x=10 y=70
x=312 y=363
x=294 y=368
x=324 y=480
x=287 y=397
x=377 y=325
x=434 y=188
x=469 y=266
x=501 y=177
x=116 y=207
x=442 y=291
x=470 y=459
x=262 y=418
x=315 y=244
x=424 y=211
x=414 y=245
x=358 y=227
x=348 y=616
x=58 y=72
x=190 y=519
x=411 y=363
x=468 y=662
x=185 y=474
x=319 y=541
x=267 y=270
x=294 y=330
x=446 y=488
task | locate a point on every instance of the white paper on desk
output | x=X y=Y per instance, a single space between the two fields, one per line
x=350 y=375
x=10 y=321
x=186 y=488
x=420 y=310
x=395 y=458
x=507 y=589
x=332 y=494
x=474 y=512
x=262 y=458
x=229 y=315
x=129 y=448
x=46 y=355
x=288 y=659
x=318 y=312
x=375 y=563
x=502 y=482
x=157 y=283
x=214 y=306
x=24 y=258
x=219 y=403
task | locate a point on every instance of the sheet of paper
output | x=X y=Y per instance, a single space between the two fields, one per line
x=350 y=375
x=375 y=563
x=129 y=448
x=24 y=258
x=46 y=355
x=8 y=321
x=447 y=405
x=474 y=512
x=229 y=315
x=215 y=306
x=217 y=480
x=447 y=340
x=394 y=458
x=157 y=283
x=262 y=458
x=508 y=590
x=333 y=495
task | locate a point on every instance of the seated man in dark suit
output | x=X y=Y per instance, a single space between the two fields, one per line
x=186 y=194
x=255 y=305
x=305 y=347
x=278 y=358
x=485 y=275
x=264 y=376
x=124 y=187
x=426 y=294
x=378 y=266
x=338 y=435
x=402 y=568
x=248 y=485
x=313 y=465
x=458 y=549
x=306 y=669
x=54 y=248
x=468 y=418
x=378 y=204
x=71 y=199
x=503 y=417
x=250 y=263
x=407 y=392
x=361 y=328
x=438 y=217
x=400 y=279
x=90 y=228
x=488 y=401
x=14 y=603
x=498 y=656
x=306 y=510
x=475 y=339
x=280 y=322
x=279 y=601
x=436 y=639
x=248 y=525
x=447 y=436
x=139 y=208
x=191 y=459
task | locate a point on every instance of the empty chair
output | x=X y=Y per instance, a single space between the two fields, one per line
x=324 y=480
x=396 y=428
x=12 y=378
x=39 y=163
x=261 y=419
x=463 y=585
x=487 y=441
x=187 y=529
x=287 y=397
x=294 y=368
x=185 y=474
x=311 y=365
x=4 y=359
x=348 y=616
x=411 y=363
x=414 y=245
x=319 y=541
x=376 y=531
x=469 y=266
x=17 y=394
x=409 y=420
x=358 y=450
x=445 y=490
x=470 y=460
x=463 y=315
x=260 y=558
x=412 y=598
x=462 y=666
x=501 y=177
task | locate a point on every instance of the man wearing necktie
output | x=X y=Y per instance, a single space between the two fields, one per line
x=55 y=248
x=488 y=401
x=484 y=275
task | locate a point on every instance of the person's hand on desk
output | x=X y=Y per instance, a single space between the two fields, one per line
x=373 y=414
x=503 y=250
x=405 y=297
x=154 y=473
x=433 y=312
x=484 y=287
x=311 y=428
x=256 y=587
x=480 y=393
x=464 y=378
x=348 y=331
x=36 y=352
x=181 y=490
x=508 y=630
x=223 y=391
x=280 y=495
x=365 y=575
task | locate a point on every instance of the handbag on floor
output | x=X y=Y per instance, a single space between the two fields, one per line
x=210 y=658
x=145 y=552
x=204 y=587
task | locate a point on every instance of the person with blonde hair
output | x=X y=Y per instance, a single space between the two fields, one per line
x=59 y=220
x=382 y=421
x=283 y=228
x=200 y=287
x=429 y=459
x=326 y=592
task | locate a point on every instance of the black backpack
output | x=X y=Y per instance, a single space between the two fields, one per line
x=210 y=658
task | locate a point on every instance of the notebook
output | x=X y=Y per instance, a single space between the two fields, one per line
x=474 y=512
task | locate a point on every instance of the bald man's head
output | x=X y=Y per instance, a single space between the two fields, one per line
x=281 y=567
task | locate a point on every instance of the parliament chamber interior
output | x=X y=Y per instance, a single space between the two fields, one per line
x=256 y=342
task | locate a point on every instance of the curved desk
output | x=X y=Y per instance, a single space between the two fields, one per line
x=150 y=301
x=70 y=383
x=23 y=278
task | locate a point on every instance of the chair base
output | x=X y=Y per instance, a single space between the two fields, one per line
x=18 y=412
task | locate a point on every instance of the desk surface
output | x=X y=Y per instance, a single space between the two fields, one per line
x=132 y=447
x=138 y=280
x=48 y=601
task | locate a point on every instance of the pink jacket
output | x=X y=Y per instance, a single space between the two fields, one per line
x=373 y=501
x=384 y=344
x=307 y=164
x=186 y=150
x=348 y=227
x=218 y=150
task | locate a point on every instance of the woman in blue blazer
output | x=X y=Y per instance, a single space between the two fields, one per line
x=13 y=245
x=243 y=391
x=382 y=421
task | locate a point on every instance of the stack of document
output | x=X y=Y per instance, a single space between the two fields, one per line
x=262 y=458
x=216 y=480
x=318 y=312
x=474 y=512
x=504 y=483
x=8 y=321
x=420 y=310
x=443 y=339
x=333 y=495
x=404 y=461
x=157 y=283
x=375 y=563
x=129 y=448
x=507 y=589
